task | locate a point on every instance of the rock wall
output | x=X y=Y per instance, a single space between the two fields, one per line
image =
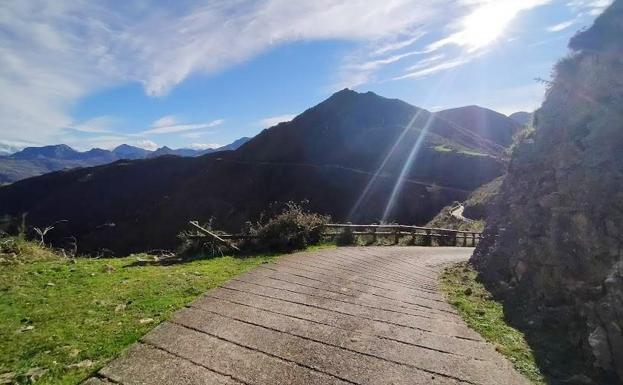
x=555 y=235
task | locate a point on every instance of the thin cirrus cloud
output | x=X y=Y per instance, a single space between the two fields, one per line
x=274 y=120
x=54 y=53
x=480 y=24
x=170 y=125
x=591 y=7
x=561 y=26
x=97 y=125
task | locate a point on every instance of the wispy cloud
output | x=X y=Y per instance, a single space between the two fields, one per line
x=397 y=44
x=274 y=120
x=146 y=144
x=591 y=7
x=100 y=124
x=169 y=125
x=204 y=146
x=561 y=26
x=195 y=135
x=475 y=26
x=52 y=54
x=165 y=121
x=429 y=70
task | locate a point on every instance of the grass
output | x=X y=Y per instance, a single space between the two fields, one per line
x=63 y=320
x=486 y=316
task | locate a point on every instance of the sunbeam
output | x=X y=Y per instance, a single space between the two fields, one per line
x=391 y=151
x=405 y=169
x=434 y=91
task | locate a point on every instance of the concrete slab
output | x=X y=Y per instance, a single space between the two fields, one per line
x=338 y=316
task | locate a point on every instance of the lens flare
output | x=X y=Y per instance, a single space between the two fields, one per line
x=406 y=168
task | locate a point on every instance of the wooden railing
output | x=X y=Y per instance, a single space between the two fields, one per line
x=415 y=235
x=373 y=234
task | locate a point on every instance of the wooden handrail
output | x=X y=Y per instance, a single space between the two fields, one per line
x=386 y=230
x=348 y=225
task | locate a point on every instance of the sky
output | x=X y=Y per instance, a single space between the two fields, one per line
x=199 y=74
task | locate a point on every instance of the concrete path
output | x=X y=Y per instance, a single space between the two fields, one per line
x=341 y=316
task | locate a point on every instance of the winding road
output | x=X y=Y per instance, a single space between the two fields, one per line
x=351 y=315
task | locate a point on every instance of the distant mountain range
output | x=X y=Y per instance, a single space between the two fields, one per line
x=356 y=156
x=33 y=161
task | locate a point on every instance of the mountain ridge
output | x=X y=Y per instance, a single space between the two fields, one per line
x=34 y=161
x=346 y=156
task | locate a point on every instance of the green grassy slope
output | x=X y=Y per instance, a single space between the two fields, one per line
x=65 y=319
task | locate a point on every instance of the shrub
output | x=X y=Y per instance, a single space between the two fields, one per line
x=293 y=228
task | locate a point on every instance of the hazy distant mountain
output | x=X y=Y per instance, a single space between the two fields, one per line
x=235 y=144
x=33 y=161
x=327 y=155
x=7 y=149
x=126 y=151
x=485 y=123
x=192 y=153
x=522 y=118
x=60 y=151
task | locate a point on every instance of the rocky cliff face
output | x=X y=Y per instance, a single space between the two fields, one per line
x=555 y=236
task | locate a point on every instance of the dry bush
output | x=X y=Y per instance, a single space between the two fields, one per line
x=293 y=228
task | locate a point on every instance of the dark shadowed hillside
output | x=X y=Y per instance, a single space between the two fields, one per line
x=554 y=247
x=483 y=122
x=327 y=155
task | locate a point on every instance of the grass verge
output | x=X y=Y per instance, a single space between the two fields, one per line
x=62 y=320
x=486 y=316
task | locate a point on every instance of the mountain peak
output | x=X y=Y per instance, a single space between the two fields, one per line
x=51 y=151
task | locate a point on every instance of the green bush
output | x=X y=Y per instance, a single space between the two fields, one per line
x=293 y=228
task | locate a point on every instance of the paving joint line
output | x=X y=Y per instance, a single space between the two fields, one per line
x=231 y=376
x=353 y=296
x=267 y=354
x=359 y=290
x=378 y=279
x=337 y=300
x=396 y=277
x=336 y=346
x=373 y=279
x=341 y=328
x=352 y=315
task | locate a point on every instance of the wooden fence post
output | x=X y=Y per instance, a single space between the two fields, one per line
x=428 y=239
x=396 y=235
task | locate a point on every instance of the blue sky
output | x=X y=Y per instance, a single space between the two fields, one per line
x=202 y=74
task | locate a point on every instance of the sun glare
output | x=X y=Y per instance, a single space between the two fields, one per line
x=487 y=23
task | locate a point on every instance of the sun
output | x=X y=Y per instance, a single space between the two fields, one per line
x=487 y=24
